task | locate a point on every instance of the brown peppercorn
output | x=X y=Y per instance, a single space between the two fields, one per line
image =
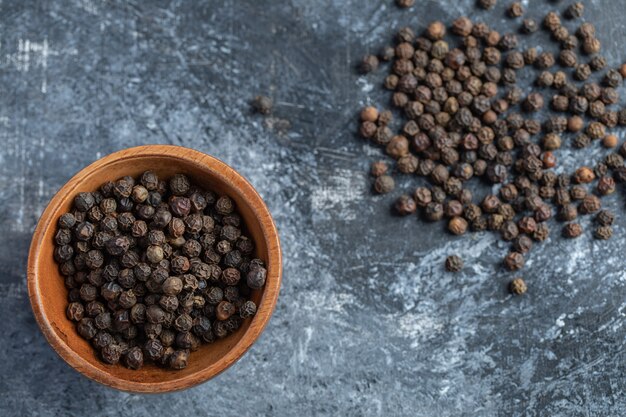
x=367 y=129
x=551 y=141
x=453 y=263
x=541 y=233
x=545 y=79
x=572 y=230
x=405 y=205
x=568 y=212
x=605 y=218
x=533 y=102
x=575 y=123
x=436 y=30
x=560 y=34
x=487 y=4
x=582 y=72
x=591 y=45
x=590 y=204
x=408 y=164
x=578 y=192
x=260 y=104
x=584 y=175
x=405 y=3
x=369 y=114
x=549 y=160
x=462 y=26
x=544 y=60
x=586 y=30
x=603 y=232
x=379 y=168
x=606 y=185
x=422 y=196
x=596 y=130
x=490 y=203
x=597 y=63
x=515 y=9
x=522 y=244
x=527 y=225
x=610 y=141
x=517 y=286
x=509 y=230
x=575 y=10
x=457 y=225
x=433 y=212
x=529 y=25
x=514 y=261
x=622 y=70
x=384 y=184
x=552 y=21
x=397 y=147
x=568 y=58
x=369 y=64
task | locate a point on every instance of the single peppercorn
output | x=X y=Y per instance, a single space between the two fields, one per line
x=405 y=205
x=453 y=263
x=515 y=9
x=384 y=184
x=605 y=218
x=517 y=286
x=572 y=230
x=514 y=261
x=603 y=232
x=487 y=4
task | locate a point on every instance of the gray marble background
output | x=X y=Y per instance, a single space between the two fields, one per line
x=367 y=323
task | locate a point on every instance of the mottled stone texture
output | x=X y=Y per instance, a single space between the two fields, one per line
x=368 y=322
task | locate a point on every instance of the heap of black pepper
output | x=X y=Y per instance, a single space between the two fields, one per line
x=155 y=268
x=464 y=116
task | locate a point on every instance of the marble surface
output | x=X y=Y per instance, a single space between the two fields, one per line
x=368 y=323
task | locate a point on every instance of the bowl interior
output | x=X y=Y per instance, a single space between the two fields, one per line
x=210 y=359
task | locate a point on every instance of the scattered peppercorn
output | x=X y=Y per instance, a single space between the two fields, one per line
x=515 y=9
x=575 y=10
x=405 y=3
x=517 y=286
x=454 y=263
x=461 y=123
x=487 y=4
x=117 y=249
x=603 y=232
x=262 y=105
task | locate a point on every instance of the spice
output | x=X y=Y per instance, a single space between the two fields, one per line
x=405 y=205
x=610 y=141
x=487 y=4
x=603 y=232
x=515 y=9
x=260 y=104
x=575 y=10
x=384 y=184
x=405 y=3
x=379 y=168
x=135 y=267
x=457 y=225
x=466 y=115
x=514 y=261
x=572 y=230
x=605 y=218
x=584 y=175
x=517 y=286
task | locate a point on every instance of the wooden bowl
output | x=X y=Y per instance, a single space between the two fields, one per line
x=48 y=295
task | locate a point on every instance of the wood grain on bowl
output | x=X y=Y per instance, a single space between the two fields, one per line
x=48 y=295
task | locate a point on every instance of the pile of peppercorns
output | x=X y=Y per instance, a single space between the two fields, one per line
x=155 y=268
x=464 y=116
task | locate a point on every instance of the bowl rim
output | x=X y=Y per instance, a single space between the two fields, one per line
x=225 y=174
